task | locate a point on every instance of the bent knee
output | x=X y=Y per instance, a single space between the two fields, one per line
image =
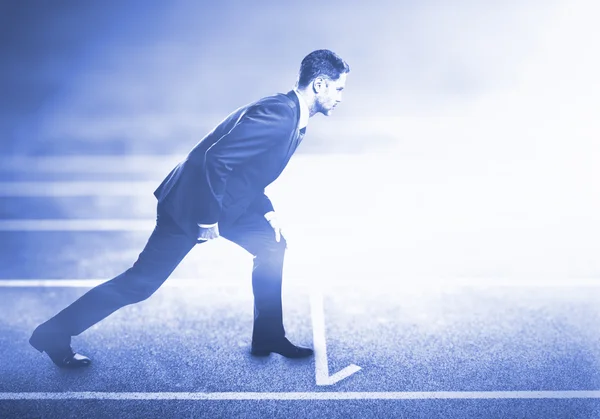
x=272 y=251
x=273 y=248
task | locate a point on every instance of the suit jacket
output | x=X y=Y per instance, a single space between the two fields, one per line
x=227 y=172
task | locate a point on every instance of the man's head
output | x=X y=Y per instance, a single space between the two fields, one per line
x=322 y=79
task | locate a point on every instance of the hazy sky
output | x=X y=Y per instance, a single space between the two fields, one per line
x=164 y=70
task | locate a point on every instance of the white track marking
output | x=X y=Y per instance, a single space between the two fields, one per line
x=90 y=164
x=77 y=225
x=149 y=163
x=77 y=188
x=320 y=346
x=323 y=395
x=88 y=283
x=424 y=283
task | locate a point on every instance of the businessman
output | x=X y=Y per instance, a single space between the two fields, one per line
x=218 y=190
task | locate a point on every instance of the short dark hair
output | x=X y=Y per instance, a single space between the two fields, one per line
x=321 y=62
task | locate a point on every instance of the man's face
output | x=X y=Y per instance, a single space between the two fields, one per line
x=328 y=93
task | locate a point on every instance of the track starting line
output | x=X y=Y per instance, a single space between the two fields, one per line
x=323 y=395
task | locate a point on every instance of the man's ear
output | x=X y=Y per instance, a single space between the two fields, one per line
x=319 y=84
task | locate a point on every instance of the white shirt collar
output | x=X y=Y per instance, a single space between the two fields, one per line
x=304 y=111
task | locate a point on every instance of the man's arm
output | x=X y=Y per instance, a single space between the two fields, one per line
x=259 y=130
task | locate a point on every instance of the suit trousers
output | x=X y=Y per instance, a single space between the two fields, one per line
x=167 y=246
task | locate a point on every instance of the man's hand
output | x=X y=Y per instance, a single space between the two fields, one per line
x=208 y=231
x=274 y=222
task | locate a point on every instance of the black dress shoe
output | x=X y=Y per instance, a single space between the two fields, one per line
x=58 y=348
x=282 y=347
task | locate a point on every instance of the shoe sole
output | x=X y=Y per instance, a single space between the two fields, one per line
x=267 y=353
x=38 y=345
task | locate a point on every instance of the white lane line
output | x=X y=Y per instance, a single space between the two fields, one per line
x=77 y=188
x=424 y=284
x=88 y=283
x=320 y=346
x=78 y=225
x=323 y=395
x=148 y=163
x=90 y=164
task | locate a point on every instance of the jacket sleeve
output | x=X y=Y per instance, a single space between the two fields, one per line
x=260 y=129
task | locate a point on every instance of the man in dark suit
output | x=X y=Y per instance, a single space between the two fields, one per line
x=218 y=190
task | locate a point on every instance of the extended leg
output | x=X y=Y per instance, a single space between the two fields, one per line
x=165 y=249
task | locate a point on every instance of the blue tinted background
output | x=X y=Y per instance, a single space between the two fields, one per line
x=466 y=149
